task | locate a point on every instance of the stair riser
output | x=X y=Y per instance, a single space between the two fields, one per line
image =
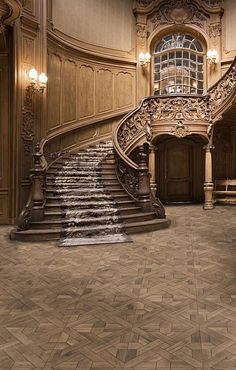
x=61 y=222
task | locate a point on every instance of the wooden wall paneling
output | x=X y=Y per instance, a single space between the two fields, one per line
x=4 y=140
x=86 y=91
x=69 y=91
x=124 y=89
x=54 y=91
x=104 y=90
x=30 y=7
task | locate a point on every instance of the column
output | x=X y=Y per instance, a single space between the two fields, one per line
x=152 y=169
x=208 y=184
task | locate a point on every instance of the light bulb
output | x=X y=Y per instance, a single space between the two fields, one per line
x=212 y=56
x=43 y=79
x=147 y=57
x=141 y=57
x=33 y=75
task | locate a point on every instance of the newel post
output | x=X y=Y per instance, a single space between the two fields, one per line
x=144 y=180
x=37 y=176
x=208 y=183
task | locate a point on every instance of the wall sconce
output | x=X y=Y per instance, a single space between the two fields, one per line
x=212 y=56
x=144 y=59
x=37 y=82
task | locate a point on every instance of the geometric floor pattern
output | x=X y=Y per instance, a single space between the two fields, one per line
x=167 y=301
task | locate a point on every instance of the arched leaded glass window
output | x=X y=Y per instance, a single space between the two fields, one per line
x=178 y=65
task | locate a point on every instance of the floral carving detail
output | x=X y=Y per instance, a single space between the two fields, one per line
x=214 y=30
x=179 y=12
x=180 y=130
x=142 y=31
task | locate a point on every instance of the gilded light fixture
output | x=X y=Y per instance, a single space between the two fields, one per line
x=37 y=82
x=212 y=56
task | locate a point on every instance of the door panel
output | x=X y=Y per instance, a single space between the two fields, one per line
x=176 y=177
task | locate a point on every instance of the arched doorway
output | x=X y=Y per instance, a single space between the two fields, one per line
x=180 y=169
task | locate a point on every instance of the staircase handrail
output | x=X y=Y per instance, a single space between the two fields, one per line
x=222 y=93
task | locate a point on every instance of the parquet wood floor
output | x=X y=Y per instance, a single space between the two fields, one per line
x=167 y=301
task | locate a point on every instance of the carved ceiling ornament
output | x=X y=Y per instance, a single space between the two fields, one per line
x=179 y=12
x=180 y=130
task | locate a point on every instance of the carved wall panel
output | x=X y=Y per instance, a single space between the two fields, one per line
x=104 y=90
x=30 y=6
x=69 y=91
x=124 y=89
x=28 y=50
x=86 y=89
x=224 y=154
x=54 y=91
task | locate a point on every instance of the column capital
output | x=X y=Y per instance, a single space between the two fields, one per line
x=208 y=147
x=152 y=148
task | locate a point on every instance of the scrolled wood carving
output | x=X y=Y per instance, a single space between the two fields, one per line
x=143 y=2
x=180 y=130
x=128 y=176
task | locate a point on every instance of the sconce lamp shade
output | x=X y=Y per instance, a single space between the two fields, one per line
x=33 y=75
x=43 y=79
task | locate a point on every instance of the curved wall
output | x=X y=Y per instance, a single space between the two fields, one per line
x=105 y=23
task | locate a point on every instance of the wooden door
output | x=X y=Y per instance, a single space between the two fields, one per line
x=176 y=171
